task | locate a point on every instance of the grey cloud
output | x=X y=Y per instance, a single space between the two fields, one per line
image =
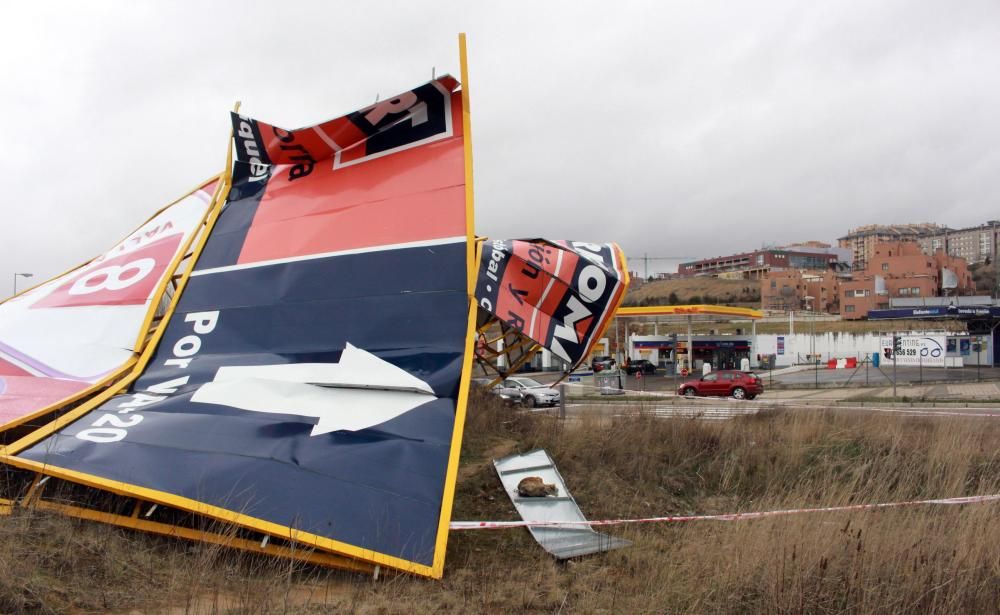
x=674 y=128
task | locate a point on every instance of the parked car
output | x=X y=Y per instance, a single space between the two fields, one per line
x=726 y=382
x=531 y=392
x=641 y=365
x=509 y=396
x=602 y=363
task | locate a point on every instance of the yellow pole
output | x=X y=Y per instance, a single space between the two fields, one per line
x=470 y=218
x=472 y=263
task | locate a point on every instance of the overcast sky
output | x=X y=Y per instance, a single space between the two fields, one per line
x=687 y=129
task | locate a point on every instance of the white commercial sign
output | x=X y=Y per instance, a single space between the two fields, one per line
x=926 y=350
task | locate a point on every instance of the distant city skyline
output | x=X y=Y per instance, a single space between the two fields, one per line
x=659 y=264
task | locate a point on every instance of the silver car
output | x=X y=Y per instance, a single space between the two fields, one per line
x=531 y=392
x=510 y=397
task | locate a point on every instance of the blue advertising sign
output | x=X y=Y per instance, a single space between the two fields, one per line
x=311 y=381
x=935 y=312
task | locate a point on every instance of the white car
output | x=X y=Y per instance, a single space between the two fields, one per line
x=531 y=392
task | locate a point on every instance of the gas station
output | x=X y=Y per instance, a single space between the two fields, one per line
x=685 y=353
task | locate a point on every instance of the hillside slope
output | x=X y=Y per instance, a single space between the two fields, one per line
x=696 y=290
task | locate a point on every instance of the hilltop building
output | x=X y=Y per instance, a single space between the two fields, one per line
x=901 y=269
x=795 y=289
x=976 y=244
x=813 y=255
x=897 y=269
x=862 y=240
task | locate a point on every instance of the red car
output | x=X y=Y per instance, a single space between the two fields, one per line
x=726 y=382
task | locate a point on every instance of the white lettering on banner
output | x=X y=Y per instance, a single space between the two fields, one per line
x=138 y=239
x=418 y=115
x=567 y=329
x=114 y=277
x=496 y=256
x=591 y=252
x=591 y=283
x=110 y=428
x=492 y=267
x=258 y=169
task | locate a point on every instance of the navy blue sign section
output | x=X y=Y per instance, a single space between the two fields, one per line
x=230 y=230
x=936 y=312
x=378 y=487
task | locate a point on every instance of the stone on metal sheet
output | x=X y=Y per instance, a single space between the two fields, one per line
x=562 y=542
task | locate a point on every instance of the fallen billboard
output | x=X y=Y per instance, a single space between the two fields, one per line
x=558 y=295
x=66 y=338
x=311 y=383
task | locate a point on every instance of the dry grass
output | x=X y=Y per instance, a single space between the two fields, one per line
x=695 y=290
x=52 y=564
x=940 y=559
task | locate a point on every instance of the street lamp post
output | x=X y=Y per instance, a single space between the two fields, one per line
x=23 y=275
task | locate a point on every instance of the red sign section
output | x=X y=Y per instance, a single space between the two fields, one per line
x=23 y=395
x=127 y=279
x=408 y=196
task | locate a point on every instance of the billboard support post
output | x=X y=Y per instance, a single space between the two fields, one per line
x=979 y=356
x=895 y=352
x=562 y=401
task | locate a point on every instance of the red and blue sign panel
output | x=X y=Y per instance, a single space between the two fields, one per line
x=309 y=378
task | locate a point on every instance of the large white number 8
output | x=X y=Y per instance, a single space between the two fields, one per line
x=114 y=277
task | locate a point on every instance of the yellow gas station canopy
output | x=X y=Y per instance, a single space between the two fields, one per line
x=690 y=310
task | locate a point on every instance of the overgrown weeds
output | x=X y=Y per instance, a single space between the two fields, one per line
x=919 y=559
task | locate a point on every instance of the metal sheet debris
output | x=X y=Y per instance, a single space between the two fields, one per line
x=563 y=542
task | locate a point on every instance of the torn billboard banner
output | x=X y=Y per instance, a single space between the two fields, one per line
x=311 y=383
x=560 y=294
x=63 y=339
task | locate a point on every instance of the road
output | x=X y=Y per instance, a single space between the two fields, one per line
x=963 y=396
x=726 y=408
x=912 y=382
x=881 y=376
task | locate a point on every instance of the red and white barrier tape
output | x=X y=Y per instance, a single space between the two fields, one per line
x=501 y=525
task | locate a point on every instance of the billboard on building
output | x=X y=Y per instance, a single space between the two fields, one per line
x=949 y=279
x=880 y=287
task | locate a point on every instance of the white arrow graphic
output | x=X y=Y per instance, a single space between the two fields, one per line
x=359 y=392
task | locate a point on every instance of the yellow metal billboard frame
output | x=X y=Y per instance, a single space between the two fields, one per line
x=337 y=553
x=691 y=310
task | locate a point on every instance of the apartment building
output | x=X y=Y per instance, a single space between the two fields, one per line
x=862 y=240
x=794 y=289
x=901 y=269
x=976 y=244
x=755 y=265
